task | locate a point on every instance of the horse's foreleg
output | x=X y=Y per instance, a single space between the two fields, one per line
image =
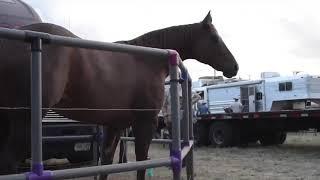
x=109 y=144
x=143 y=131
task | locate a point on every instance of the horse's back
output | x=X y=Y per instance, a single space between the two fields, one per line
x=15 y=68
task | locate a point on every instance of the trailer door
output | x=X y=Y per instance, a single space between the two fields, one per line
x=252 y=98
x=244 y=96
x=248 y=97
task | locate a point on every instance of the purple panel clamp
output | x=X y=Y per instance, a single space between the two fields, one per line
x=175 y=161
x=38 y=173
x=46 y=175
x=173 y=57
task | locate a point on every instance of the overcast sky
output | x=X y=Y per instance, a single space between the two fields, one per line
x=281 y=36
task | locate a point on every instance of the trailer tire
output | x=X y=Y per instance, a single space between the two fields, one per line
x=267 y=140
x=273 y=138
x=220 y=134
x=246 y=140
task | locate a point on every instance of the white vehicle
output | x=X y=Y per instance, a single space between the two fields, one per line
x=268 y=94
x=272 y=105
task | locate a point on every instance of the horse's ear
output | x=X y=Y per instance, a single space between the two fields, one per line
x=207 y=21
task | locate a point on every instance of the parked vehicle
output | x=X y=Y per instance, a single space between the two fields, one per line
x=272 y=106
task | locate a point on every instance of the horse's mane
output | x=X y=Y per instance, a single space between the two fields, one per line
x=157 y=38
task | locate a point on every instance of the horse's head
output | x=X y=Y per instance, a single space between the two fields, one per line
x=209 y=48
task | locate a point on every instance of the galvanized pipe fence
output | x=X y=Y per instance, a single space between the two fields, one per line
x=182 y=139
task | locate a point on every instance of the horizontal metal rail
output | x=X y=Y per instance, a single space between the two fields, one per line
x=13 y=177
x=26 y=35
x=95 y=170
x=109 y=169
x=184 y=151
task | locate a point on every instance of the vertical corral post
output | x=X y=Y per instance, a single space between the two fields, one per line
x=185 y=105
x=175 y=151
x=95 y=148
x=190 y=171
x=36 y=107
x=190 y=110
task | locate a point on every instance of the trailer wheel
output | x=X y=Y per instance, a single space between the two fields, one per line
x=282 y=137
x=220 y=134
x=273 y=138
x=201 y=134
x=267 y=140
x=246 y=140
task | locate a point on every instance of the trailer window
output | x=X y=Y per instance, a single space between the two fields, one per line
x=288 y=86
x=282 y=87
x=285 y=86
x=308 y=103
x=258 y=96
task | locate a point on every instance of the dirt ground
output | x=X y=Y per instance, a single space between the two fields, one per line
x=298 y=158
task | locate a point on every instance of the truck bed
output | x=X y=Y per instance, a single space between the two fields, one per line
x=287 y=114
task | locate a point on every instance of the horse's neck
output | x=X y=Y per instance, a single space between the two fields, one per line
x=159 y=66
x=177 y=38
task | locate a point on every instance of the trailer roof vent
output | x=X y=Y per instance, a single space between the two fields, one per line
x=210 y=80
x=265 y=75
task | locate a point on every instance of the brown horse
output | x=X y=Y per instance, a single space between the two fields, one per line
x=117 y=82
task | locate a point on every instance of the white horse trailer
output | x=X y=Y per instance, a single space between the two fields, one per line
x=268 y=94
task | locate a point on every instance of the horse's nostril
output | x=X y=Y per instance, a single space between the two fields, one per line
x=236 y=67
